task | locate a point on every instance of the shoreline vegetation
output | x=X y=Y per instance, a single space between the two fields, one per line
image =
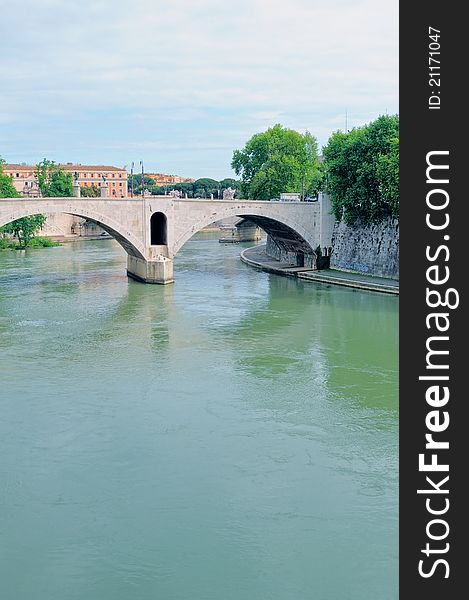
x=35 y=242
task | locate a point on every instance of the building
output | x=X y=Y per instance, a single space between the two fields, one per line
x=62 y=226
x=92 y=175
x=162 y=179
x=25 y=180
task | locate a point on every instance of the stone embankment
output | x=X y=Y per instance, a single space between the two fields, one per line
x=367 y=249
x=256 y=257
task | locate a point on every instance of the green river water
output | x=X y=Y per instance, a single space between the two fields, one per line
x=232 y=436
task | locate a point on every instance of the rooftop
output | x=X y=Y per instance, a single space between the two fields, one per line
x=65 y=167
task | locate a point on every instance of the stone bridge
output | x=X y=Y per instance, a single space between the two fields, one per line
x=152 y=230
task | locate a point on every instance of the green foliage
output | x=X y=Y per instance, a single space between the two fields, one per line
x=136 y=181
x=35 y=242
x=53 y=181
x=42 y=242
x=234 y=184
x=204 y=187
x=7 y=189
x=6 y=244
x=184 y=188
x=91 y=191
x=201 y=188
x=278 y=160
x=25 y=229
x=362 y=171
x=388 y=177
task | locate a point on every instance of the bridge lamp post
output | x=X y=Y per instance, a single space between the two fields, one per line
x=132 y=180
x=143 y=179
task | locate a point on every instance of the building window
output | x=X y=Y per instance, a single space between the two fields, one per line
x=17 y=174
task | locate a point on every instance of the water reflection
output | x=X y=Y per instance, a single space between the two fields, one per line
x=231 y=436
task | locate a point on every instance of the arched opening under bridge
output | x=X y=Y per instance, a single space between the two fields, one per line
x=159 y=229
x=129 y=243
x=284 y=242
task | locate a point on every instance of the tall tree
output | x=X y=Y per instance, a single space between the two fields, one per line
x=25 y=229
x=52 y=180
x=362 y=171
x=278 y=160
x=229 y=182
x=204 y=187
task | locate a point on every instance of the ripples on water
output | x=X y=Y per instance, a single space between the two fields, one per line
x=232 y=436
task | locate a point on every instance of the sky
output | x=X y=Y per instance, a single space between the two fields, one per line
x=181 y=84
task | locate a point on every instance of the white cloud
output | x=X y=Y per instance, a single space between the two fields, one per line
x=190 y=66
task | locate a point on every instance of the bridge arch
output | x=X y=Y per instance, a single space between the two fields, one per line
x=131 y=244
x=287 y=232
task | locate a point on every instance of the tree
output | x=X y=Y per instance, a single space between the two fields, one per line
x=52 y=180
x=278 y=160
x=362 y=171
x=204 y=187
x=91 y=191
x=186 y=188
x=229 y=182
x=387 y=172
x=25 y=229
x=135 y=180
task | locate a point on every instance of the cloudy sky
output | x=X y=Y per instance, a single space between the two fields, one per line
x=180 y=84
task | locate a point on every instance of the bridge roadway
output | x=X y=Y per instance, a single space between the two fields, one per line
x=152 y=230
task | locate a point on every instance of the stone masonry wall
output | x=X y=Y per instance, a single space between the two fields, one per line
x=274 y=251
x=368 y=249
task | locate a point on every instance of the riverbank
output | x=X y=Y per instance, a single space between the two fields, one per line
x=64 y=239
x=257 y=258
x=8 y=243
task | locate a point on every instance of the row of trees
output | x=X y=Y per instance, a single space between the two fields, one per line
x=201 y=188
x=359 y=169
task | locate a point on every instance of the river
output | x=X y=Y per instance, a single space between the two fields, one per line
x=233 y=436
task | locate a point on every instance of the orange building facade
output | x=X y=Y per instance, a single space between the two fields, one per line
x=25 y=180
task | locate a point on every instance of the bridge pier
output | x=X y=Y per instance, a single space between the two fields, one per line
x=159 y=270
x=248 y=232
